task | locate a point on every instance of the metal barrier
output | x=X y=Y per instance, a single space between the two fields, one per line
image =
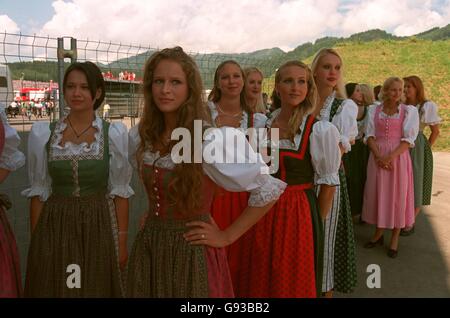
x=33 y=62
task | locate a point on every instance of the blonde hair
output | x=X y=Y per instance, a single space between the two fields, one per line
x=307 y=106
x=185 y=188
x=216 y=94
x=259 y=107
x=387 y=85
x=340 y=86
x=367 y=94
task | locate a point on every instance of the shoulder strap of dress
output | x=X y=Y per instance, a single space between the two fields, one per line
x=334 y=107
x=250 y=121
x=310 y=120
x=105 y=125
x=421 y=106
x=51 y=126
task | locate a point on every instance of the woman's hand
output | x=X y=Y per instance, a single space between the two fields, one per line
x=123 y=250
x=203 y=233
x=142 y=220
x=384 y=162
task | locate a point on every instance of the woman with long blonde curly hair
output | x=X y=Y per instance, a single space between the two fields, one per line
x=179 y=250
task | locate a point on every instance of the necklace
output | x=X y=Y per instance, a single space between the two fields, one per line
x=230 y=115
x=78 y=135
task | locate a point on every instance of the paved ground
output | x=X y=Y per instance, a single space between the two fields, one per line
x=422 y=268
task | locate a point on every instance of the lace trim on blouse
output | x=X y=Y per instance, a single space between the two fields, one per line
x=71 y=149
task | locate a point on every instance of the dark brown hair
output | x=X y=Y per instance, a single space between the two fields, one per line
x=418 y=85
x=94 y=78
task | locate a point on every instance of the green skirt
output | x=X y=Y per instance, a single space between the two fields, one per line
x=162 y=264
x=355 y=163
x=422 y=161
x=80 y=231
x=345 y=248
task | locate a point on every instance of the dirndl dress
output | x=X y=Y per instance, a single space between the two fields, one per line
x=74 y=246
x=10 y=159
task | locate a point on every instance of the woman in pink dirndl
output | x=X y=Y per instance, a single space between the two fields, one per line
x=389 y=192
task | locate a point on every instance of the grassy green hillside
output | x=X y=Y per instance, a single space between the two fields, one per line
x=373 y=62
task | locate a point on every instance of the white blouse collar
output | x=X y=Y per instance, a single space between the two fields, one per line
x=286 y=143
x=214 y=113
x=84 y=147
x=326 y=109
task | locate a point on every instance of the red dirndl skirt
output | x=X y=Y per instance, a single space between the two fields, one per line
x=278 y=252
x=10 y=278
x=226 y=208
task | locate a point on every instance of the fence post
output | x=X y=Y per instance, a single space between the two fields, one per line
x=62 y=53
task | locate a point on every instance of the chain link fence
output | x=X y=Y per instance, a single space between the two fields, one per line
x=32 y=68
x=31 y=72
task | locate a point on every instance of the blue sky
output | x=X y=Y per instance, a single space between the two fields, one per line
x=239 y=25
x=28 y=14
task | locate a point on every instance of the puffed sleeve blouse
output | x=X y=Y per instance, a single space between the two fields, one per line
x=247 y=173
x=120 y=171
x=11 y=158
x=410 y=123
x=429 y=114
x=344 y=119
x=324 y=148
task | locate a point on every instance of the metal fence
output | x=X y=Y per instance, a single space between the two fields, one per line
x=37 y=62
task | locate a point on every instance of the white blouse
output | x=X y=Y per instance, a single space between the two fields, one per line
x=120 y=171
x=410 y=123
x=11 y=158
x=259 y=120
x=324 y=148
x=344 y=119
x=251 y=176
x=428 y=115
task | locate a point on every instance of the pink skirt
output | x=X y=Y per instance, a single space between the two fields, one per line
x=10 y=278
x=389 y=194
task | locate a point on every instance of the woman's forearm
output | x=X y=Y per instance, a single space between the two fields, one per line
x=3 y=174
x=404 y=146
x=245 y=221
x=434 y=134
x=325 y=199
x=35 y=211
x=373 y=147
x=121 y=205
